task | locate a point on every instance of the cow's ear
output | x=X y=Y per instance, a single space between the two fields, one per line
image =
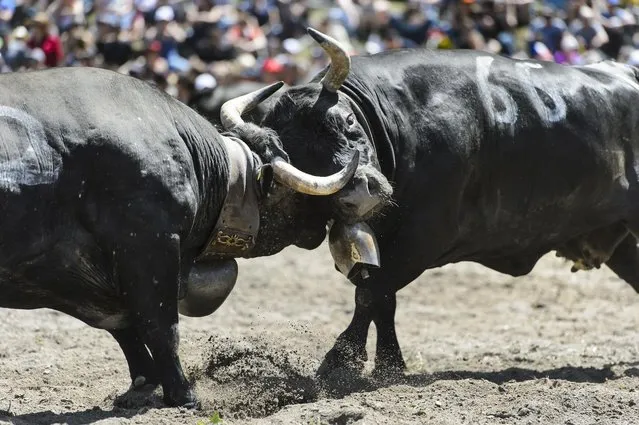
x=265 y=180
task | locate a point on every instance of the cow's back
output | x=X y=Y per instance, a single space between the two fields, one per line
x=495 y=154
x=90 y=145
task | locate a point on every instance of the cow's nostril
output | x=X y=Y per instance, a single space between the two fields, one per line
x=349 y=205
x=372 y=186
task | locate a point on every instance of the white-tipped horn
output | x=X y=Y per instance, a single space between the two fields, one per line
x=232 y=110
x=309 y=184
x=340 y=61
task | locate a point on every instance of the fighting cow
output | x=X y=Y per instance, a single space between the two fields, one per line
x=491 y=160
x=209 y=102
x=121 y=206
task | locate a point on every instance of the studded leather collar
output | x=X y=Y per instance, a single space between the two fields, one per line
x=236 y=229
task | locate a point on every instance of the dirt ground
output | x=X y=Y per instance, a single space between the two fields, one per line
x=483 y=348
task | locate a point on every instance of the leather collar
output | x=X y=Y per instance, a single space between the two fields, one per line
x=236 y=229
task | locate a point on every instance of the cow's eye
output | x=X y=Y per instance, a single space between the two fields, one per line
x=350 y=120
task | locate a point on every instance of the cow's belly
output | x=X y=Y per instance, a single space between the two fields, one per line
x=96 y=312
x=508 y=234
x=63 y=270
x=76 y=300
x=543 y=227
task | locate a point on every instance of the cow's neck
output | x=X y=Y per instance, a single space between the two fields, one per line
x=367 y=117
x=237 y=225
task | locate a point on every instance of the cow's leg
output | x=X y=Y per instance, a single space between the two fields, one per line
x=141 y=365
x=625 y=261
x=388 y=357
x=349 y=351
x=152 y=294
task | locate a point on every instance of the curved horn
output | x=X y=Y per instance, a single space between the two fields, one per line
x=340 y=61
x=232 y=110
x=309 y=184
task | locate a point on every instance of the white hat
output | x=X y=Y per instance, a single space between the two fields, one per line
x=20 y=32
x=569 y=43
x=204 y=81
x=146 y=5
x=164 y=13
x=586 y=12
x=292 y=46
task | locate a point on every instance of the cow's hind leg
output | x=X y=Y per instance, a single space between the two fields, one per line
x=625 y=261
x=141 y=364
x=151 y=280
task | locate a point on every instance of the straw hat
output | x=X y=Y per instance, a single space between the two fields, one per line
x=41 y=18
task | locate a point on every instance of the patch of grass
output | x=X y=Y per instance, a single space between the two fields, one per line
x=215 y=418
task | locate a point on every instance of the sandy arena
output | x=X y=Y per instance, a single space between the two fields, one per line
x=483 y=348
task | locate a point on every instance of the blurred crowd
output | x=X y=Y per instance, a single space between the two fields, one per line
x=190 y=48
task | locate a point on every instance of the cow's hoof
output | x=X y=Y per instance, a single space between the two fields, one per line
x=389 y=369
x=337 y=363
x=135 y=398
x=186 y=400
x=388 y=374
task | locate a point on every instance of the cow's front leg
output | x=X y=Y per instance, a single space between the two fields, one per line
x=349 y=352
x=141 y=365
x=389 y=361
x=153 y=275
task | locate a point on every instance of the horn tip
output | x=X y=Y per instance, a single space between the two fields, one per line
x=317 y=36
x=269 y=90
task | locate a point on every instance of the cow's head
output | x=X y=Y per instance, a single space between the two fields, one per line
x=288 y=214
x=318 y=129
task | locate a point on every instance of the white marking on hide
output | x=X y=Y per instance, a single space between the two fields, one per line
x=489 y=91
x=30 y=161
x=509 y=114
x=547 y=114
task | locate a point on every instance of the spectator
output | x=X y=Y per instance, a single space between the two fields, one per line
x=17 y=53
x=45 y=40
x=592 y=34
x=188 y=48
x=551 y=32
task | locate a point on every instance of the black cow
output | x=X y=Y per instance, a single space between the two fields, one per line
x=121 y=206
x=209 y=102
x=492 y=160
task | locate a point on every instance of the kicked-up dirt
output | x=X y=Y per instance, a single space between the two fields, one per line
x=482 y=348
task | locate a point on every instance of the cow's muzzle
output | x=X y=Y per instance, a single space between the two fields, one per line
x=354 y=248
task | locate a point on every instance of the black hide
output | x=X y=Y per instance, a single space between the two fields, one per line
x=492 y=160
